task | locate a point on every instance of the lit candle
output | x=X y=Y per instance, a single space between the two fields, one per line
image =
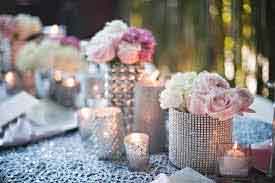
x=10 y=81
x=83 y=117
x=148 y=116
x=54 y=30
x=137 y=151
x=57 y=76
x=69 y=82
x=104 y=131
x=67 y=91
x=234 y=163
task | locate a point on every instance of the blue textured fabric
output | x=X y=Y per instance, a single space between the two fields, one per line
x=247 y=130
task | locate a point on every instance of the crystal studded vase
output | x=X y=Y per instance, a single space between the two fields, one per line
x=122 y=81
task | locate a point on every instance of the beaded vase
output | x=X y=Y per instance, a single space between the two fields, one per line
x=122 y=81
x=193 y=140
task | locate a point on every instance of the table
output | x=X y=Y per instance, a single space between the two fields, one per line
x=63 y=159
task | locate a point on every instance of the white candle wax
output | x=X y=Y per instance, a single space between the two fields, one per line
x=10 y=81
x=234 y=163
x=83 y=118
x=69 y=82
x=57 y=75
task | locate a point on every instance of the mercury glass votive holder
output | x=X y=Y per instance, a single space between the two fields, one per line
x=234 y=160
x=83 y=116
x=102 y=131
x=11 y=82
x=137 y=151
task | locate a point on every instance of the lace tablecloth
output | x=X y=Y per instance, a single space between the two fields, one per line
x=64 y=159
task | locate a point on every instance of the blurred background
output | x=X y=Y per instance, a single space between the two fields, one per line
x=232 y=37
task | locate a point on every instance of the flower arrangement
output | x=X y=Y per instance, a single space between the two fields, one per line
x=26 y=25
x=205 y=94
x=49 y=54
x=131 y=45
x=7 y=26
x=70 y=41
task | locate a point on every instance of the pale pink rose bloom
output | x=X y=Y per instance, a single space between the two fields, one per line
x=245 y=99
x=223 y=105
x=128 y=53
x=101 y=52
x=197 y=104
x=207 y=82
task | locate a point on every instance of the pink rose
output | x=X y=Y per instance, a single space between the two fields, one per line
x=128 y=53
x=245 y=99
x=197 y=104
x=223 y=105
x=207 y=82
x=101 y=52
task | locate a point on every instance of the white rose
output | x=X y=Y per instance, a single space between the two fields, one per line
x=171 y=99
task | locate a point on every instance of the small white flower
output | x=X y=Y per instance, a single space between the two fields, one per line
x=27 y=25
x=171 y=99
x=102 y=47
x=182 y=82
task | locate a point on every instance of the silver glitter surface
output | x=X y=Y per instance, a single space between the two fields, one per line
x=64 y=159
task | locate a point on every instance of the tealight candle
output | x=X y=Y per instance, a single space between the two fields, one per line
x=103 y=131
x=67 y=91
x=69 y=83
x=235 y=162
x=10 y=82
x=57 y=76
x=137 y=151
x=148 y=116
x=54 y=31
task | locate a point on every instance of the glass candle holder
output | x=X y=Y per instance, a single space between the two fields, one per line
x=137 y=151
x=83 y=117
x=67 y=91
x=234 y=160
x=64 y=88
x=102 y=131
x=95 y=86
x=11 y=82
x=148 y=116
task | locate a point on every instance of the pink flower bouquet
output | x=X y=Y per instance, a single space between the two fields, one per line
x=116 y=40
x=206 y=94
x=7 y=26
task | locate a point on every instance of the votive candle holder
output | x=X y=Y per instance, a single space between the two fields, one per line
x=137 y=151
x=102 y=131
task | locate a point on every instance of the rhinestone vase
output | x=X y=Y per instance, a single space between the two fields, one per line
x=122 y=81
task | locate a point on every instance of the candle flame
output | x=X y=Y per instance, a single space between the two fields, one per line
x=10 y=78
x=235 y=146
x=57 y=75
x=85 y=113
x=54 y=29
x=70 y=82
x=96 y=88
